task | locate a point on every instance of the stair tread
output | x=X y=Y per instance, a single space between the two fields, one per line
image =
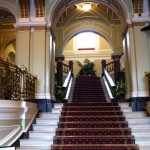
x=33 y=148
x=93 y=129
x=104 y=136
x=94 y=122
x=97 y=145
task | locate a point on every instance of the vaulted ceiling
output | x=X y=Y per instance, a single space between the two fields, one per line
x=6 y=19
x=98 y=11
x=109 y=11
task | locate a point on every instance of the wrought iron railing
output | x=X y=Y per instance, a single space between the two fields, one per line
x=15 y=82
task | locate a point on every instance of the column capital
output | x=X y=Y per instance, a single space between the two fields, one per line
x=116 y=56
x=60 y=58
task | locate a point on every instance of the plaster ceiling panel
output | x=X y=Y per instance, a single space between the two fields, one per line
x=87 y=14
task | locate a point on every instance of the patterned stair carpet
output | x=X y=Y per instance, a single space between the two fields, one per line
x=88 y=122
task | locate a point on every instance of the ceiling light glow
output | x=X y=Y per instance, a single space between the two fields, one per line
x=86 y=6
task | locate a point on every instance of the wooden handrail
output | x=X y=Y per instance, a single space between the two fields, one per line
x=109 y=83
x=109 y=79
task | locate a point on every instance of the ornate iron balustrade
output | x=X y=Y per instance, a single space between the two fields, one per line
x=15 y=82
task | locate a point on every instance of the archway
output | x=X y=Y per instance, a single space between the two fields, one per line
x=95 y=53
x=66 y=18
x=117 y=6
x=8 y=39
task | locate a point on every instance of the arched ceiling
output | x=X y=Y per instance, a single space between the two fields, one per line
x=6 y=19
x=98 y=11
x=109 y=11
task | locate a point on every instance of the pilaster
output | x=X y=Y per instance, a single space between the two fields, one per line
x=23 y=46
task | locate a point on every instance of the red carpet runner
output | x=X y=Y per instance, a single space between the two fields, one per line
x=91 y=123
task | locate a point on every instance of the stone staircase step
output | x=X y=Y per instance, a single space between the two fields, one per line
x=134 y=114
x=44 y=121
x=41 y=135
x=33 y=148
x=44 y=127
x=36 y=142
x=139 y=126
x=142 y=141
x=140 y=133
x=49 y=115
x=126 y=109
x=124 y=104
x=144 y=147
x=144 y=120
x=56 y=110
x=58 y=105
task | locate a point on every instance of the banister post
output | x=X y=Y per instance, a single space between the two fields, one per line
x=71 y=67
x=22 y=82
x=59 y=75
x=103 y=62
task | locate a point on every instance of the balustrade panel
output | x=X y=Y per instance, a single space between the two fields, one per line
x=15 y=82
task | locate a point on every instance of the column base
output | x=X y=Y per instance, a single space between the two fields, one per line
x=139 y=103
x=44 y=105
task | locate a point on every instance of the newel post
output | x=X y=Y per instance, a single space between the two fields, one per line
x=59 y=67
x=71 y=67
x=103 y=62
x=116 y=60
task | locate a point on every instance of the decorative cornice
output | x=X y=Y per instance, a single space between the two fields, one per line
x=137 y=94
x=40 y=23
x=116 y=56
x=136 y=24
x=132 y=25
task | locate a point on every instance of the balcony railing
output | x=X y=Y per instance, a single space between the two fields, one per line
x=16 y=82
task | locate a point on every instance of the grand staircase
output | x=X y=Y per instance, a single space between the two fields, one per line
x=91 y=123
x=88 y=122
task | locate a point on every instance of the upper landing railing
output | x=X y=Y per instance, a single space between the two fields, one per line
x=16 y=82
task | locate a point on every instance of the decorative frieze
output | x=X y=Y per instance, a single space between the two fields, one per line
x=23 y=28
x=39 y=28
